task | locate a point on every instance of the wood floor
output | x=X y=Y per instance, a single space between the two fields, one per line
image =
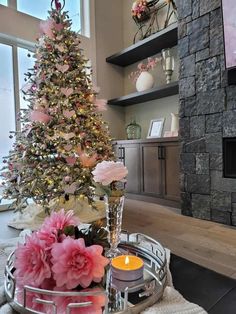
x=206 y=243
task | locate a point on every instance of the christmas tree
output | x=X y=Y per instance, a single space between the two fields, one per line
x=63 y=135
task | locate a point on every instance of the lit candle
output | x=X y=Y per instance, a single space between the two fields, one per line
x=127 y=268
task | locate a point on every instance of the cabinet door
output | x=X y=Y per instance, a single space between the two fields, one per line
x=131 y=157
x=151 y=170
x=171 y=178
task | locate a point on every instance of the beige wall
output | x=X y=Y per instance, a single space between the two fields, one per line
x=109 y=39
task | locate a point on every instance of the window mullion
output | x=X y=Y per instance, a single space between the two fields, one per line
x=16 y=86
x=12 y=4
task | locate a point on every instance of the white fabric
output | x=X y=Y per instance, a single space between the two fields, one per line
x=33 y=215
x=171 y=303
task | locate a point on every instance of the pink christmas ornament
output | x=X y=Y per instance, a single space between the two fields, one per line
x=60 y=48
x=71 y=160
x=58 y=27
x=46 y=27
x=68 y=113
x=101 y=104
x=67 y=179
x=68 y=147
x=88 y=161
x=59 y=37
x=38 y=116
x=62 y=68
x=67 y=136
x=67 y=91
x=71 y=189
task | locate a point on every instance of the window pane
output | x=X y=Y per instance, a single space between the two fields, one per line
x=3 y=2
x=24 y=64
x=7 y=106
x=40 y=9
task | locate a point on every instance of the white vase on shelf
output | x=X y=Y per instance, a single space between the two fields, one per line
x=145 y=81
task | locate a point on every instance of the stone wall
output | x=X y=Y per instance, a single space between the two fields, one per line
x=207 y=113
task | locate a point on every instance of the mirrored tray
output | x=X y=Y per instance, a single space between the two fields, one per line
x=121 y=297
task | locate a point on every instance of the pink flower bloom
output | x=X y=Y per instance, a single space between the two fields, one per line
x=98 y=301
x=75 y=264
x=101 y=104
x=57 y=221
x=39 y=116
x=30 y=301
x=32 y=266
x=60 y=220
x=108 y=171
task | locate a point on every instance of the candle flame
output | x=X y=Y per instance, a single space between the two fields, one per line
x=126 y=260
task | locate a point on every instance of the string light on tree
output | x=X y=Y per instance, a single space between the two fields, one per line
x=62 y=116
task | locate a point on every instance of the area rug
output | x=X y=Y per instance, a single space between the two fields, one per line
x=171 y=302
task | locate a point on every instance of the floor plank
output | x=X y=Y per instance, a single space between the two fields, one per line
x=206 y=243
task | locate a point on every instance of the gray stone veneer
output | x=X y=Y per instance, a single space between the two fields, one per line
x=207 y=113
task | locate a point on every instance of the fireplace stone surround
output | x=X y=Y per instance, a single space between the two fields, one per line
x=207 y=113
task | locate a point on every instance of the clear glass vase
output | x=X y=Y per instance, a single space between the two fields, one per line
x=133 y=130
x=114 y=213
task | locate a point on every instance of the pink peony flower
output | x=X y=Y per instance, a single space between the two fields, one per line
x=108 y=171
x=57 y=221
x=32 y=266
x=39 y=116
x=75 y=264
x=98 y=301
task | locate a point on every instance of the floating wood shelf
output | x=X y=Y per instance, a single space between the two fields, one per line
x=151 y=94
x=232 y=76
x=147 y=47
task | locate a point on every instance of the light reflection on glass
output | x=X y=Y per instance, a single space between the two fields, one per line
x=7 y=105
x=40 y=9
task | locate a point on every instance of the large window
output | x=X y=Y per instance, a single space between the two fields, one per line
x=7 y=100
x=3 y=2
x=25 y=62
x=14 y=63
x=40 y=9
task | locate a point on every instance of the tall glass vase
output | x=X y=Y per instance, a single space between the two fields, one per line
x=114 y=212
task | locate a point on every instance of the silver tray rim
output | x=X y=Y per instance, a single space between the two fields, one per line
x=141 y=245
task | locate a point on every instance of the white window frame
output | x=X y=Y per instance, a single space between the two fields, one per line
x=84 y=9
x=15 y=44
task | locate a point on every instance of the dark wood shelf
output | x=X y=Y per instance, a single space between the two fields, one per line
x=147 y=47
x=150 y=94
x=231 y=76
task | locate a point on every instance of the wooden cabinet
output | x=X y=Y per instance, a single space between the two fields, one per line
x=153 y=167
x=129 y=155
x=171 y=180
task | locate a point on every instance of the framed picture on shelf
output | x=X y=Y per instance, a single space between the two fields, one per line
x=155 y=128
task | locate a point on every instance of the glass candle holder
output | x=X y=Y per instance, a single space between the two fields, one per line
x=168 y=64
